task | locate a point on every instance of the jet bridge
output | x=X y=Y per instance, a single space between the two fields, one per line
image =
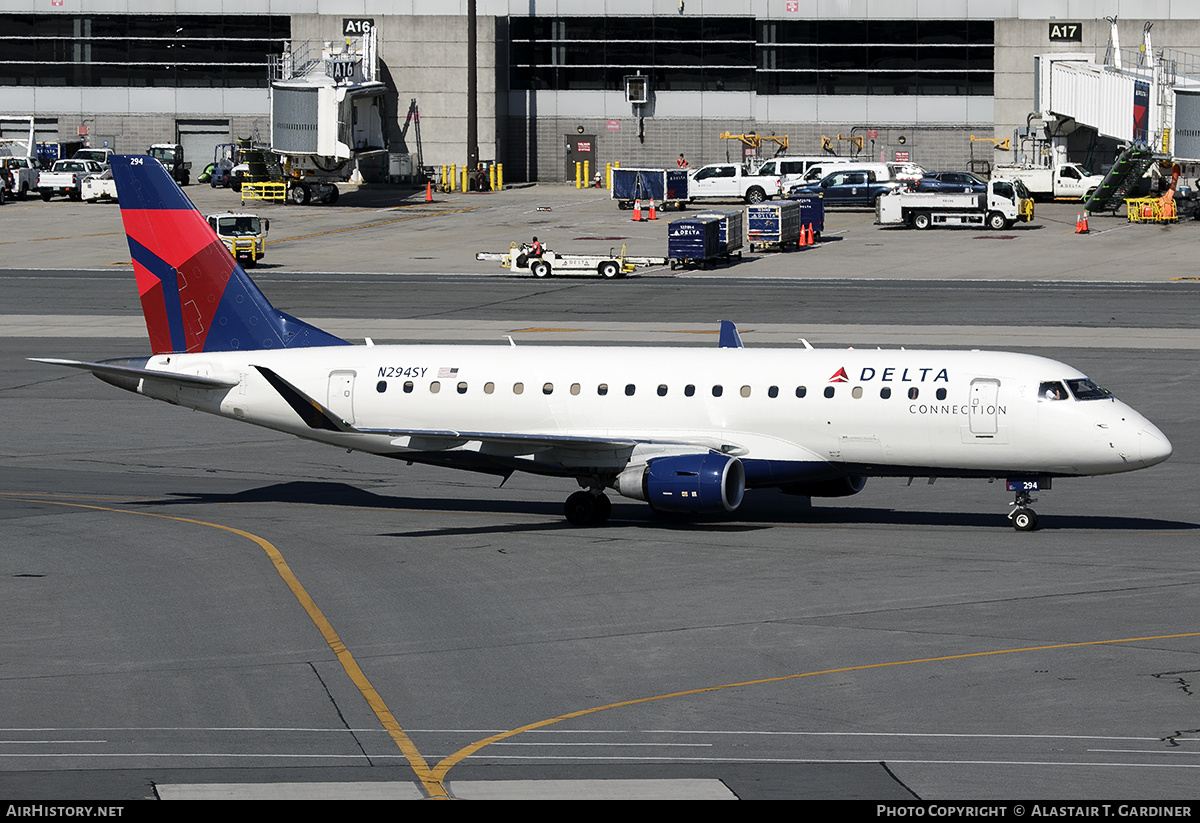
x=1143 y=97
x=327 y=113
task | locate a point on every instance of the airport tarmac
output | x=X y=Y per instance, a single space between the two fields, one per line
x=195 y=608
x=392 y=230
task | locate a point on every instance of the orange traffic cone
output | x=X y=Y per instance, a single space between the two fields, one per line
x=428 y=192
x=1085 y=225
x=803 y=241
x=1078 y=223
x=811 y=237
x=653 y=213
x=637 y=211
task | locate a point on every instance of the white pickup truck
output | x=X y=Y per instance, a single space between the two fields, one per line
x=66 y=177
x=1065 y=180
x=24 y=175
x=730 y=181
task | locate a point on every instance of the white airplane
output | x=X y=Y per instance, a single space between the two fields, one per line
x=683 y=429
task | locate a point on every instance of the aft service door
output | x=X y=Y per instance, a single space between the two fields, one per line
x=341 y=395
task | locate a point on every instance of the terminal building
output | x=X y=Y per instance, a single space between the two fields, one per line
x=883 y=80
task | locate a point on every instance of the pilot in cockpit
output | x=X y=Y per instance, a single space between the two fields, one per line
x=1052 y=390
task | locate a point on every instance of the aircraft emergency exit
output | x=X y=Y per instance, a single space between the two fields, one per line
x=683 y=429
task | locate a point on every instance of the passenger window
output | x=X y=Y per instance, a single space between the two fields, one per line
x=829 y=391
x=435 y=387
x=381 y=386
x=408 y=386
x=913 y=392
x=885 y=392
x=574 y=388
x=548 y=388
x=518 y=388
x=689 y=390
x=941 y=394
x=856 y=392
x=745 y=391
x=773 y=391
x=662 y=390
x=630 y=389
x=717 y=391
x=801 y=391
x=488 y=388
x=602 y=389
x=462 y=388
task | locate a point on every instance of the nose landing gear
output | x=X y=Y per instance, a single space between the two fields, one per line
x=1024 y=519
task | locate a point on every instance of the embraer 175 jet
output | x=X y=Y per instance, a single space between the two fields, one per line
x=683 y=429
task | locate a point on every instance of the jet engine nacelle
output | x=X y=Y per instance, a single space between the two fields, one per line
x=686 y=483
x=837 y=487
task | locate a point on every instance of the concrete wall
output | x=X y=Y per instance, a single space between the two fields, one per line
x=536 y=144
x=426 y=57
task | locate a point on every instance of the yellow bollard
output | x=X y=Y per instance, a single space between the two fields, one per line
x=608 y=167
x=578 y=170
x=442 y=180
x=453 y=177
x=465 y=172
x=492 y=177
x=587 y=174
x=500 y=175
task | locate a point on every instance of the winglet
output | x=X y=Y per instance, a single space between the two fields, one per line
x=730 y=339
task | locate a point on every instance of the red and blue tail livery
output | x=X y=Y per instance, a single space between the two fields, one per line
x=195 y=296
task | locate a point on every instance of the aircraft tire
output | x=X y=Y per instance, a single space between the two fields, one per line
x=1024 y=520
x=580 y=509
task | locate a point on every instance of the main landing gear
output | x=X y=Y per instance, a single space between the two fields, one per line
x=1024 y=519
x=587 y=508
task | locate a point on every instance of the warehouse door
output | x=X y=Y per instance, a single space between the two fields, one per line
x=199 y=139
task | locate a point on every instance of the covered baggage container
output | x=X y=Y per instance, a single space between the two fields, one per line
x=694 y=241
x=663 y=186
x=775 y=224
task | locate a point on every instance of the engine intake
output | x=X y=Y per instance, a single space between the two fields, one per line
x=687 y=483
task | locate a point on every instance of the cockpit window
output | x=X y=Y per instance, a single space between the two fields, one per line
x=1085 y=389
x=1052 y=390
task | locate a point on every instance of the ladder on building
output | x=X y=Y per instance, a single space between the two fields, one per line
x=1121 y=178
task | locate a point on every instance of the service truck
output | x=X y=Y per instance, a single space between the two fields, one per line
x=172 y=159
x=730 y=181
x=1005 y=202
x=1064 y=180
x=24 y=175
x=244 y=234
x=66 y=178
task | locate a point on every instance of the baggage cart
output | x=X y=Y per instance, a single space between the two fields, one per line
x=773 y=225
x=663 y=186
x=695 y=241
